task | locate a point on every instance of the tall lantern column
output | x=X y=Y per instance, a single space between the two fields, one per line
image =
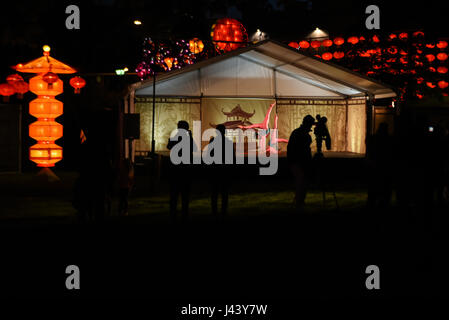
x=46 y=85
x=45 y=153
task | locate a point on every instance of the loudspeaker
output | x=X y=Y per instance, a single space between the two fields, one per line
x=131 y=128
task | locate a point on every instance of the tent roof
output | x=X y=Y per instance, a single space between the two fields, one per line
x=296 y=75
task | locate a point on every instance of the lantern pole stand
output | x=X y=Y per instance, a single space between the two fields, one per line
x=153 y=141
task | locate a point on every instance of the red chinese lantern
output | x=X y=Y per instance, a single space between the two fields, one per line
x=418 y=34
x=376 y=39
x=392 y=50
x=6 y=90
x=50 y=78
x=12 y=78
x=339 y=54
x=327 y=56
x=21 y=87
x=430 y=85
x=294 y=45
x=432 y=69
x=443 y=84
x=442 y=69
x=339 y=41
x=430 y=45
x=403 y=35
x=77 y=83
x=315 y=44
x=430 y=57
x=442 y=56
x=392 y=36
x=228 y=34
x=442 y=44
x=327 y=43
x=196 y=45
x=353 y=40
x=304 y=44
x=362 y=38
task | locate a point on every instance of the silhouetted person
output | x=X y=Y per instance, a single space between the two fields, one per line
x=126 y=182
x=322 y=133
x=380 y=156
x=220 y=173
x=299 y=156
x=181 y=174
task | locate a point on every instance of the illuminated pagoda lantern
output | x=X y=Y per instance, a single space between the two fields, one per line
x=46 y=85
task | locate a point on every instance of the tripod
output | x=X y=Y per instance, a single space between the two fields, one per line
x=322 y=178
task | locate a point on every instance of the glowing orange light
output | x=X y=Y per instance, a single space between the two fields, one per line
x=418 y=33
x=442 y=56
x=327 y=56
x=430 y=57
x=77 y=83
x=353 y=40
x=6 y=90
x=443 y=84
x=403 y=35
x=315 y=44
x=393 y=36
x=294 y=45
x=442 y=69
x=442 y=44
x=339 y=41
x=327 y=43
x=376 y=39
x=430 y=85
x=196 y=45
x=304 y=44
x=339 y=54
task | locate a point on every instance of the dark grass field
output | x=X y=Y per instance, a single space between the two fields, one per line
x=261 y=251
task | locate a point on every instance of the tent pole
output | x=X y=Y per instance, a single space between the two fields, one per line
x=153 y=141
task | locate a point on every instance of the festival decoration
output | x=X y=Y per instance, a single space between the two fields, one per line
x=304 y=44
x=339 y=41
x=196 y=45
x=228 y=34
x=77 y=83
x=21 y=88
x=6 y=90
x=46 y=85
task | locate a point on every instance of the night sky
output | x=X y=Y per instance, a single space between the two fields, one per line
x=108 y=39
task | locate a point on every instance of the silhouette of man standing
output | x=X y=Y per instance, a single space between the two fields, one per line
x=181 y=175
x=299 y=156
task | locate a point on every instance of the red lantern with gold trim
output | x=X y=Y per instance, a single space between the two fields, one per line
x=77 y=83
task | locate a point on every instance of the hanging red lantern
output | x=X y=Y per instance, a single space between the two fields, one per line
x=339 y=41
x=294 y=45
x=304 y=44
x=6 y=90
x=21 y=87
x=327 y=56
x=442 y=56
x=315 y=44
x=442 y=44
x=403 y=36
x=392 y=50
x=12 y=78
x=353 y=40
x=430 y=57
x=392 y=36
x=442 y=69
x=339 y=54
x=443 y=84
x=362 y=38
x=327 y=43
x=50 y=78
x=228 y=34
x=432 y=69
x=430 y=45
x=77 y=83
x=375 y=39
x=418 y=34
x=430 y=84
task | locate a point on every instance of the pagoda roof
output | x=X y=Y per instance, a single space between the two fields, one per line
x=238 y=112
x=44 y=64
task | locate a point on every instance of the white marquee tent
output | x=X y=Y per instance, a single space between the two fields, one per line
x=241 y=85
